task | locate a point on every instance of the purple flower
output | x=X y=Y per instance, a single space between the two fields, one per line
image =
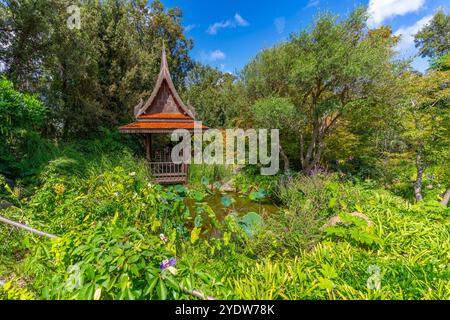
x=167 y=263
x=164 y=264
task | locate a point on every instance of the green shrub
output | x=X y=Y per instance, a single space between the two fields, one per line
x=297 y=227
x=112 y=262
x=214 y=173
x=22 y=149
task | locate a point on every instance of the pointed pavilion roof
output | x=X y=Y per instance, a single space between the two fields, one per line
x=164 y=76
x=164 y=110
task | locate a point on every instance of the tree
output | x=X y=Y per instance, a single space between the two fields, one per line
x=93 y=76
x=218 y=98
x=426 y=121
x=327 y=71
x=441 y=63
x=432 y=98
x=24 y=40
x=278 y=113
x=433 y=40
x=21 y=116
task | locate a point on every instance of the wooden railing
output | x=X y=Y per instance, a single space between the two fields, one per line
x=169 y=172
x=162 y=155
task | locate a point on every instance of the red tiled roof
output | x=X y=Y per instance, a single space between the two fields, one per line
x=165 y=116
x=160 y=126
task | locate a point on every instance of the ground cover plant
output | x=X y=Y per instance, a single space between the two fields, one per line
x=117 y=230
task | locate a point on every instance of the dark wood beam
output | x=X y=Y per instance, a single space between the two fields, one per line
x=148 y=146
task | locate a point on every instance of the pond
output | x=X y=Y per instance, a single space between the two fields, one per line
x=239 y=204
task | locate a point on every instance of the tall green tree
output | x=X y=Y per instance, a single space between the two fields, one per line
x=433 y=40
x=279 y=113
x=92 y=76
x=327 y=71
x=426 y=121
x=219 y=98
x=24 y=40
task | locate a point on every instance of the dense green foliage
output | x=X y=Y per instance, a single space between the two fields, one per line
x=218 y=100
x=433 y=40
x=110 y=221
x=21 y=116
x=359 y=211
x=327 y=71
x=92 y=76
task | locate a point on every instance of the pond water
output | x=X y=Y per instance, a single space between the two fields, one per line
x=241 y=205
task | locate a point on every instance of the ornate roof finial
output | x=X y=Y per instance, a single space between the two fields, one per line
x=164 y=64
x=164 y=75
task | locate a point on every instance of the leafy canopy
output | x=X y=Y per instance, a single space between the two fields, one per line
x=433 y=40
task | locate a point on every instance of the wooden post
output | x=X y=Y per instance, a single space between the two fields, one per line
x=148 y=146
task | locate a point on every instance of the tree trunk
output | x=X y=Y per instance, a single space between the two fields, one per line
x=308 y=158
x=285 y=159
x=446 y=197
x=314 y=157
x=312 y=147
x=302 y=150
x=418 y=183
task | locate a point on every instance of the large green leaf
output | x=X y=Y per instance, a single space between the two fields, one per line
x=204 y=181
x=251 y=222
x=181 y=190
x=161 y=290
x=257 y=196
x=226 y=201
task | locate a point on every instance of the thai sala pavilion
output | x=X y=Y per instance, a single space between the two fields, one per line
x=162 y=113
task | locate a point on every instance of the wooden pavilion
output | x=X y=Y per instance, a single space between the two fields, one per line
x=163 y=112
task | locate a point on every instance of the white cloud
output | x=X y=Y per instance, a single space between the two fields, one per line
x=381 y=10
x=189 y=27
x=237 y=21
x=313 y=3
x=240 y=21
x=280 y=23
x=212 y=29
x=213 y=55
x=407 y=33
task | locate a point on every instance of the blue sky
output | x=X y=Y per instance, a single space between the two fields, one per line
x=228 y=33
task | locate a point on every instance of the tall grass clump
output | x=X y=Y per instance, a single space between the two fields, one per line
x=215 y=172
x=306 y=206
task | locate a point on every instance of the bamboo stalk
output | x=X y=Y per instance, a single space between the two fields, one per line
x=27 y=228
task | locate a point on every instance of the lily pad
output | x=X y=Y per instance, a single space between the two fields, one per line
x=204 y=181
x=251 y=222
x=257 y=196
x=226 y=201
